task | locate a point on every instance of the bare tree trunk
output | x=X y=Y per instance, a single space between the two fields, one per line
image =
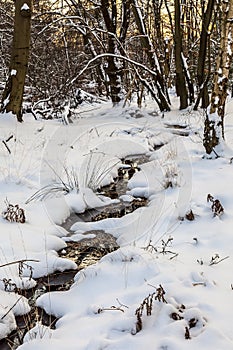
x=181 y=88
x=112 y=70
x=202 y=55
x=214 y=123
x=159 y=81
x=13 y=94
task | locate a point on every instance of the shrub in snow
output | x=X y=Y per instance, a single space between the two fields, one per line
x=189 y=319
x=147 y=306
x=189 y=215
x=216 y=206
x=14 y=213
x=170 y=175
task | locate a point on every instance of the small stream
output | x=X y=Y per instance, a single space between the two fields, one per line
x=89 y=250
x=86 y=252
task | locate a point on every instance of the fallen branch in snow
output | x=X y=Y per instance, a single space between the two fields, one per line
x=111 y=308
x=174 y=256
x=18 y=261
x=115 y=308
x=216 y=259
x=199 y=284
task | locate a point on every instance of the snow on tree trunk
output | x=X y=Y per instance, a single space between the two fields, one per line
x=214 y=123
x=13 y=94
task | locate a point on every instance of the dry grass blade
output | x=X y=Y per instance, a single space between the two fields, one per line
x=49 y=191
x=11 y=308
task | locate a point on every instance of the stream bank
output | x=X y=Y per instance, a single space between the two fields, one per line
x=84 y=253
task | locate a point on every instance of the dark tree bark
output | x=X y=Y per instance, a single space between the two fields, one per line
x=125 y=15
x=13 y=94
x=204 y=37
x=112 y=69
x=181 y=88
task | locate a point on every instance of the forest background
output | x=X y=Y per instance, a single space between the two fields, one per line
x=117 y=50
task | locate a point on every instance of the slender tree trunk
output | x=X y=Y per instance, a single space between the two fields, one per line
x=181 y=88
x=159 y=81
x=125 y=22
x=13 y=94
x=112 y=69
x=214 y=123
x=202 y=55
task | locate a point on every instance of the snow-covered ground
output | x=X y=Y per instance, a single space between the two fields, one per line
x=117 y=303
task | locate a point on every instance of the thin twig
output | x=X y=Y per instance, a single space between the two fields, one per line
x=8 y=149
x=121 y=303
x=19 y=261
x=199 y=284
x=115 y=308
x=5 y=143
x=174 y=256
x=215 y=262
x=11 y=308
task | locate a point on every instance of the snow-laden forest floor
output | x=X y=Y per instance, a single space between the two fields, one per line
x=170 y=284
